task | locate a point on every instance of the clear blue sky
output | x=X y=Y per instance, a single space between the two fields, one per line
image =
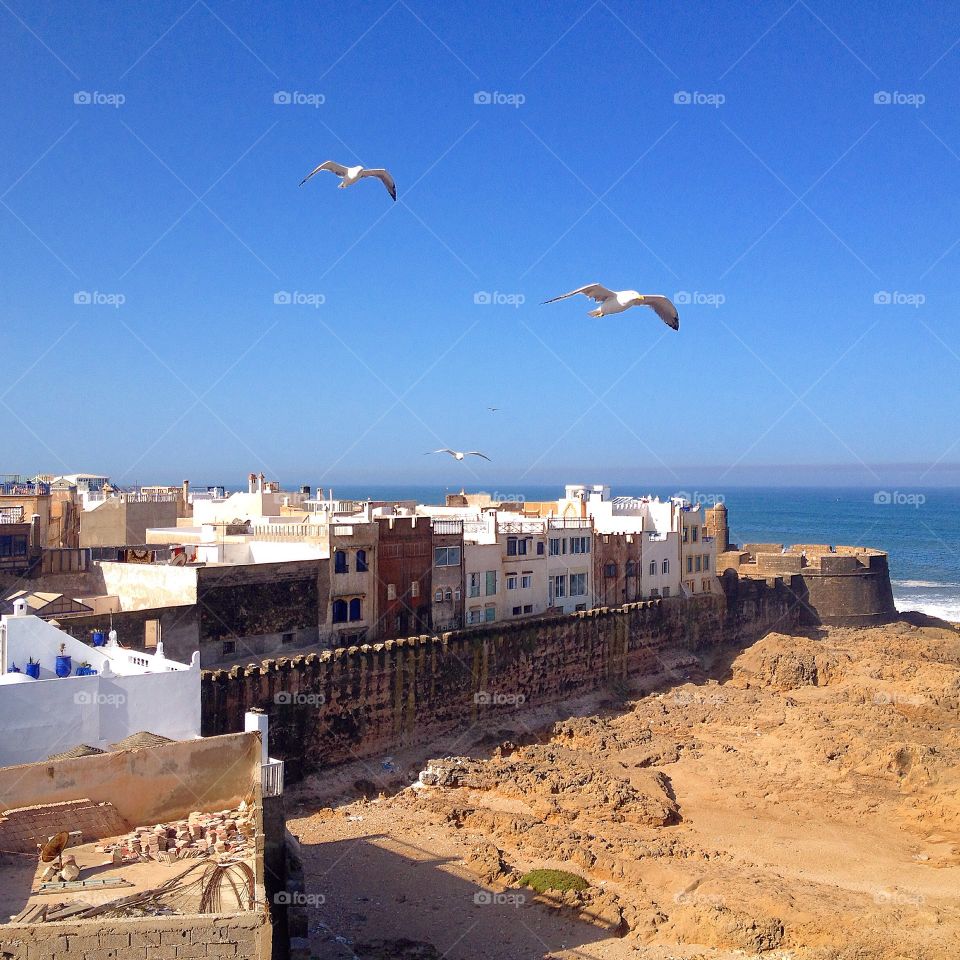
x=789 y=207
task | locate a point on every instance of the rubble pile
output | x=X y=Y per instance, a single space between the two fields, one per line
x=227 y=833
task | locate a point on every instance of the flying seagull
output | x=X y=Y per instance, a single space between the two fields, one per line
x=350 y=175
x=616 y=301
x=459 y=454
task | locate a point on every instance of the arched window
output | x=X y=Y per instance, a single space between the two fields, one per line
x=438 y=597
x=339 y=611
x=666 y=566
x=361 y=561
x=356 y=611
x=448 y=596
x=339 y=561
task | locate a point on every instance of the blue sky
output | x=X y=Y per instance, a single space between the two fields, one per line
x=783 y=201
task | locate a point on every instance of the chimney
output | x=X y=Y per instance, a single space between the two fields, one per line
x=256 y=719
x=35 y=530
x=252 y=483
x=186 y=492
x=260 y=480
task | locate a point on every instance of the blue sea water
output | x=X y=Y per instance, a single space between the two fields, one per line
x=919 y=528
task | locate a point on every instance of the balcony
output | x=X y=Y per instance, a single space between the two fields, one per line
x=271 y=778
x=448 y=527
x=570 y=523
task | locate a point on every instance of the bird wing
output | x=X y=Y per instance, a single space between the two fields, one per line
x=338 y=168
x=663 y=307
x=383 y=175
x=477 y=453
x=595 y=291
x=452 y=453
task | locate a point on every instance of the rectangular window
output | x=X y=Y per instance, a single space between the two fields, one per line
x=705 y=586
x=696 y=533
x=286 y=638
x=578 y=584
x=511 y=581
x=666 y=567
x=686 y=534
x=490 y=614
x=528 y=608
x=456 y=594
x=446 y=556
x=697 y=562
x=491 y=583
x=560 y=586
x=666 y=591
x=414 y=588
x=653 y=568
x=654 y=593
x=540 y=548
x=706 y=561
x=610 y=570
x=391 y=591
x=473 y=585
x=516 y=611
x=580 y=606
x=511 y=546
x=689 y=564
x=579 y=544
x=438 y=597
x=473 y=616
x=229 y=647
x=526 y=581
x=554 y=546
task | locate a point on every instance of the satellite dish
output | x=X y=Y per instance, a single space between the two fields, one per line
x=54 y=847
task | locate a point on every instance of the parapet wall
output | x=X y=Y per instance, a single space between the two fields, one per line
x=352 y=702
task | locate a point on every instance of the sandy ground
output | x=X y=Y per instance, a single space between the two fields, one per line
x=800 y=798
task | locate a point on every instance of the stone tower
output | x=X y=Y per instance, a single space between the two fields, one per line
x=716 y=522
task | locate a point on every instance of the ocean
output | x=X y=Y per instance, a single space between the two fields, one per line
x=919 y=528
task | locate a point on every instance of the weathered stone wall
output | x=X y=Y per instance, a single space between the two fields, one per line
x=239 y=935
x=337 y=705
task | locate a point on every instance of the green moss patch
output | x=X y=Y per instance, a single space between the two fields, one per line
x=556 y=880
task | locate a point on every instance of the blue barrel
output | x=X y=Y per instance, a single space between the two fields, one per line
x=64 y=665
x=98 y=638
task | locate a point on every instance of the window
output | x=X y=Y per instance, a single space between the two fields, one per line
x=11 y=515
x=11 y=546
x=516 y=611
x=706 y=561
x=691 y=586
x=705 y=586
x=456 y=594
x=448 y=595
x=686 y=534
x=654 y=593
x=579 y=544
x=286 y=638
x=554 y=546
x=580 y=606
x=339 y=562
x=491 y=582
x=540 y=549
x=666 y=568
x=689 y=564
x=610 y=570
x=446 y=556
x=528 y=608
x=489 y=614
x=473 y=585
x=438 y=597
x=151 y=631
x=339 y=611
x=229 y=647
x=697 y=562
x=473 y=616
x=516 y=547
x=559 y=584
x=578 y=584
x=666 y=591
x=632 y=569
x=414 y=588
x=653 y=568
x=511 y=581
x=695 y=532
x=526 y=580
x=391 y=591
x=356 y=609
x=361 y=561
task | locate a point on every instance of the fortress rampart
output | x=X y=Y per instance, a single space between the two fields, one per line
x=838 y=586
x=338 y=705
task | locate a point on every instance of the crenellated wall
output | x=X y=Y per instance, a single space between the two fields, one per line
x=352 y=702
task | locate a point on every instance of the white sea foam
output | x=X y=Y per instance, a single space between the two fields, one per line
x=945 y=608
x=922 y=584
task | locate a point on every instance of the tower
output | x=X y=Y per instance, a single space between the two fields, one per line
x=716 y=522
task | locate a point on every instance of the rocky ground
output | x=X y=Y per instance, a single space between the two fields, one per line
x=799 y=798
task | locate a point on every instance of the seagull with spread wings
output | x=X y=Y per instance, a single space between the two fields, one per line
x=458 y=454
x=616 y=301
x=350 y=175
